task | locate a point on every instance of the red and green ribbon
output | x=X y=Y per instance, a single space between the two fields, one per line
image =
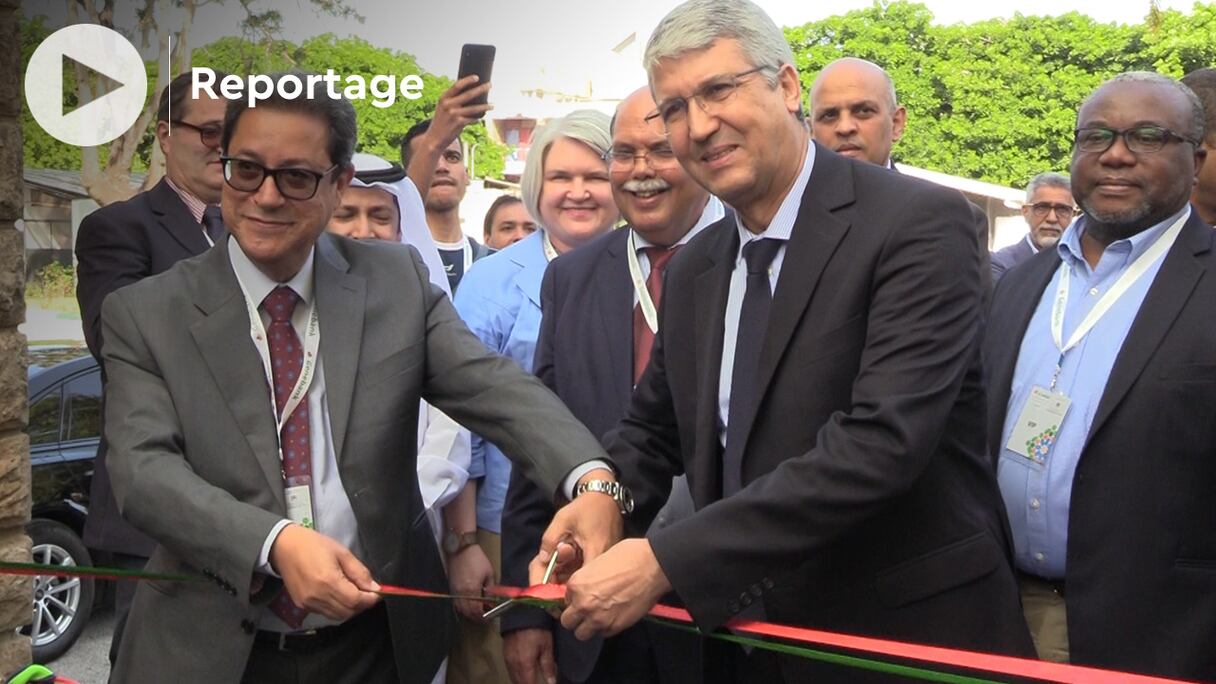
x=794 y=641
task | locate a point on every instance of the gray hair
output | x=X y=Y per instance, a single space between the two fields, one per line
x=1047 y=179
x=696 y=24
x=1196 y=129
x=587 y=126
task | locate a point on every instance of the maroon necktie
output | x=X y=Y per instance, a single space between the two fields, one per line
x=643 y=337
x=286 y=361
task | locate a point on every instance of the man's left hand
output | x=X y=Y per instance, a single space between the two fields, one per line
x=614 y=591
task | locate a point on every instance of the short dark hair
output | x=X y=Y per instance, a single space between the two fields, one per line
x=499 y=203
x=414 y=131
x=337 y=113
x=176 y=95
x=1203 y=83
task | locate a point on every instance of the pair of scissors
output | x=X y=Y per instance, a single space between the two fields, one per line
x=511 y=603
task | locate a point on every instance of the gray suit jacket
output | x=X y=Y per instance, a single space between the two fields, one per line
x=194 y=460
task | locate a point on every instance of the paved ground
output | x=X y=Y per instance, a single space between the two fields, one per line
x=88 y=660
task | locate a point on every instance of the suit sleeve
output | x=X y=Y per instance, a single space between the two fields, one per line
x=155 y=487
x=496 y=399
x=108 y=256
x=922 y=326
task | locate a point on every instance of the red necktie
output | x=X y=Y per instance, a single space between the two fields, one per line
x=286 y=362
x=643 y=337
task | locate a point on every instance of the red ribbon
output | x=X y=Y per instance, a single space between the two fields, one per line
x=986 y=662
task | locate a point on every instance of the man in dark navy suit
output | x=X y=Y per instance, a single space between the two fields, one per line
x=594 y=343
x=1048 y=210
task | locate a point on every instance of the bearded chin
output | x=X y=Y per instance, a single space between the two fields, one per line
x=1121 y=224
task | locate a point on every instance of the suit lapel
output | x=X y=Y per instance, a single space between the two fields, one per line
x=532 y=263
x=817 y=232
x=1165 y=299
x=614 y=310
x=341 y=299
x=176 y=219
x=223 y=341
x=710 y=288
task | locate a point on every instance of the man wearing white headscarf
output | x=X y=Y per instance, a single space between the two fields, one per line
x=382 y=203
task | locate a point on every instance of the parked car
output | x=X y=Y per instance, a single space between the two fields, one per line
x=65 y=431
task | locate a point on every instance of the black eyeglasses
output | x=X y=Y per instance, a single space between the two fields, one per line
x=208 y=135
x=710 y=97
x=1140 y=139
x=1040 y=210
x=293 y=182
x=659 y=158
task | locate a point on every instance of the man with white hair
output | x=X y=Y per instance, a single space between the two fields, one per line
x=1048 y=210
x=815 y=374
x=854 y=111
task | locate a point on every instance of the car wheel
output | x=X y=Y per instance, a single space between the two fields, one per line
x=62 y=605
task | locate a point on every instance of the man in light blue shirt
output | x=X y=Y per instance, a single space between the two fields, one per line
x=1100 y=422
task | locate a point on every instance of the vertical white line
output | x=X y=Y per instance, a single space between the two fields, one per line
x=169 y=86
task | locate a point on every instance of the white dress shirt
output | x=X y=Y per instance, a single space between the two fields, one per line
x=779 y=228
x=332 y=512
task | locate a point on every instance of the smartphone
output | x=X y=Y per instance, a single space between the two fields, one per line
x=477 y=59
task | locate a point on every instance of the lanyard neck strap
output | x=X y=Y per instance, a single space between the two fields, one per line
x=312 y=342
x=550 y=251
x=649 y=312
x=1132 y=274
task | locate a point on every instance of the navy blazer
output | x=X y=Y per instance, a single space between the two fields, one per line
x=117 y=245
x=1141 y=558
x=1007 y=257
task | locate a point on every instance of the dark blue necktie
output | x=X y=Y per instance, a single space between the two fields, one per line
x=213 y=224
x=753 y=321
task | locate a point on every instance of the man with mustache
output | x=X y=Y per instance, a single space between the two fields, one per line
x=1048 y=210
x=1101 y=361
x=854 y=111
x=599 y=304
x=125 y=242
x=815 y=374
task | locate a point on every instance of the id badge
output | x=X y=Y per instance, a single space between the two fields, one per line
x=299 y=504
x=1037 y=427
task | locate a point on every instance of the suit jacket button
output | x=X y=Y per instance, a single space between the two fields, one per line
x=247 y=626
x=768 y=583
x=756 y=590
x=745 y=599
x=734 y=606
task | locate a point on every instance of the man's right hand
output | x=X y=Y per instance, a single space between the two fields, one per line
x=321 y=575
x=529 y=652
x=453 y=111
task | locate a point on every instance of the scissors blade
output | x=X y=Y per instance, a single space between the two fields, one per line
x=549 y=568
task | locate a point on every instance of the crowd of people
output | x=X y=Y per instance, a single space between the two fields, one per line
x=719 y=352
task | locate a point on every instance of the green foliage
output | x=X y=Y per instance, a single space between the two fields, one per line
x=41 y=150
x=52 y=281
x=997 y=99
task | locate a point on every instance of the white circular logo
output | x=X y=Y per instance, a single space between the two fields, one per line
x=105 y=54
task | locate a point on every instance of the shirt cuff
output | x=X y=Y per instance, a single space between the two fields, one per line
x=575 y=475
x=264 y=557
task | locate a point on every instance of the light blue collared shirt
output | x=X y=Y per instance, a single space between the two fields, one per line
x=1037 y=496
x=780 y=228
x=499 y=299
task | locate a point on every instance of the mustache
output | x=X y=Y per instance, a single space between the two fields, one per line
x=646 y=185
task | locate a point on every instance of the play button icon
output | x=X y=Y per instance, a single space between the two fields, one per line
x=115 y=67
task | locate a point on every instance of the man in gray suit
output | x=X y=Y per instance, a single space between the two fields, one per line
x=262 y=415
x=1048 y=210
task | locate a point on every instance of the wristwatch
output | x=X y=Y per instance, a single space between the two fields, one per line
x=619 y=493
x=455 y=542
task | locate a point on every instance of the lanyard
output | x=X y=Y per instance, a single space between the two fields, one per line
x=550 y=252
x=312 y=341
x=640 y=289
x=1133 y=273
x=468 y=256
